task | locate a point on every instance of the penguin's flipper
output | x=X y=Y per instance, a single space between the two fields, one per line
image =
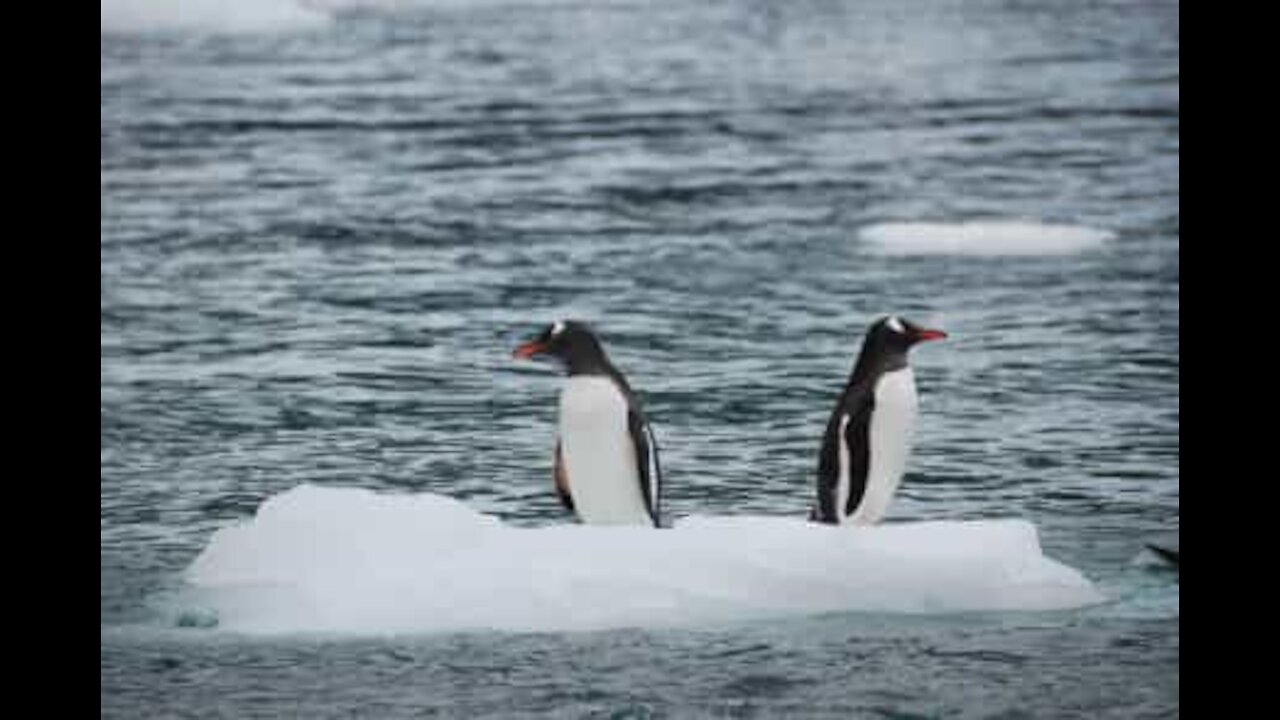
x=562 y=480
x=647 y=468
x=857 y=405
x=824 y=510
x=857 y=434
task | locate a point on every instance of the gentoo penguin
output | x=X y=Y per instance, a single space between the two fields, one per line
x=868 y=437
x=606 y=458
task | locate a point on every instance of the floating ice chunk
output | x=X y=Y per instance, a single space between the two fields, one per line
x=984 y=238
x=218 y=16
x=345 y=560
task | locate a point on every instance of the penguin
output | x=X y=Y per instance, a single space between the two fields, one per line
x=868 y=436
x=606 y=468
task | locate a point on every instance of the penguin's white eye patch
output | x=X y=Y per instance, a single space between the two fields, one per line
x=557 y=328
x=895 y=324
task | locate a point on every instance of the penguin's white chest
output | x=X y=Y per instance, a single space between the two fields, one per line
x=598 y=454
x=892 y=424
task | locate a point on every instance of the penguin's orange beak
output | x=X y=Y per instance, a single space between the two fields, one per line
x=927 y=335
x=528 y=350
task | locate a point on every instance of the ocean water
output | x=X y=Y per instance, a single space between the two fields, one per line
x=324 y=227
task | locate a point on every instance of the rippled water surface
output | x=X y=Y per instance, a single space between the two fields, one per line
x=319 y=245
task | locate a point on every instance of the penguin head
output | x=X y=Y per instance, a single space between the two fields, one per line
x=895 y=334
x=568 y=341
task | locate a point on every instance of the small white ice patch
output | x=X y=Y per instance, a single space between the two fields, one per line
x=348 y=560
x=215 y=16
x=981 y=238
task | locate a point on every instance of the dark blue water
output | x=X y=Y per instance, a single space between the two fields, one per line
x=319 y=245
